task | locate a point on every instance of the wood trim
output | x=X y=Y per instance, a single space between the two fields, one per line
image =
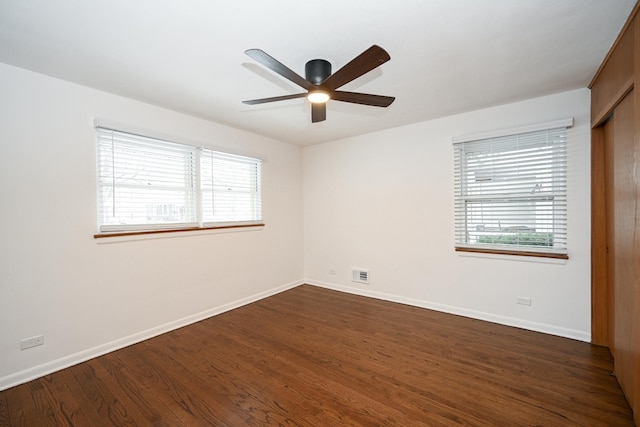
x=512 y=252
x=627 y=24
x=615 y=80
x=177 y=230
x=634 y=397
x=601 y=117
x=599 y=288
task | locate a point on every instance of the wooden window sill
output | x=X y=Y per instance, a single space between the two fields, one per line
x=512 y=252
x=172 y=230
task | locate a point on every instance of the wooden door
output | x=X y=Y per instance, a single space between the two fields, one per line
x=622 y=207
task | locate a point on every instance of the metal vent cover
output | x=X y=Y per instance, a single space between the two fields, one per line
x=360 y=275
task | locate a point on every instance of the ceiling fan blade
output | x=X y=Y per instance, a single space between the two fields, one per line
x=318 y=112
x=277 y=67
x=274 y=99
x=361 y=64
x=363 y=98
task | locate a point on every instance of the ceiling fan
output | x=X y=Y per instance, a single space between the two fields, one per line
x=321 y=85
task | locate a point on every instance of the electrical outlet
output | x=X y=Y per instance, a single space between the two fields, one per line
x=31 y=342
x=332 y=272
x=523 y=300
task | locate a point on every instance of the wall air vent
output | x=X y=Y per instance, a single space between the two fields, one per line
x=360 y=275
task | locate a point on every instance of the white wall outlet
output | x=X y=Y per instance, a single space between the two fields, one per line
x=332 y=272
x=523 y=300
x=31 y=342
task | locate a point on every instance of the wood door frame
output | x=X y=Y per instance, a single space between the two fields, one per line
x=600 y=301
x=599 y=285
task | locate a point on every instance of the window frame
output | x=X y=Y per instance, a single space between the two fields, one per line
x=463 y=199
x=193 y=179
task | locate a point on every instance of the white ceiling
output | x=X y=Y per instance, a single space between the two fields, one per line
x=447 y=56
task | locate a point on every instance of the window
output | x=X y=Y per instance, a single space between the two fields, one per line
x=511 y=192
x=147 y=184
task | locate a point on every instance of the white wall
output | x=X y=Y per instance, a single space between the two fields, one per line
x=384 y=201
x=88 y=297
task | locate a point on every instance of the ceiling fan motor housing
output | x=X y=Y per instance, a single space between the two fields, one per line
x=317 y=70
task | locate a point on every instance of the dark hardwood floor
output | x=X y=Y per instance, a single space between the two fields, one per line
x=315 y=357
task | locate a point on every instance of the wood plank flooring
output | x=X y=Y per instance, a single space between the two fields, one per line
x=315 y=357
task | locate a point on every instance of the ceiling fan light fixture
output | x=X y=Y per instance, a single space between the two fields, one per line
x=318 y=96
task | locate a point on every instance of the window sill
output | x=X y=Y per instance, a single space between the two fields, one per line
x=174 y=231
x=512 y=252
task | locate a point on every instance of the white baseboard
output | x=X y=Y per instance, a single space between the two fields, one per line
x=489 y=317
x=29 y=374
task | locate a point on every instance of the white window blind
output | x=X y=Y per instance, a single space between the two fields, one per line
x=230 y=188
x=150 y=184
x=511 y=192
